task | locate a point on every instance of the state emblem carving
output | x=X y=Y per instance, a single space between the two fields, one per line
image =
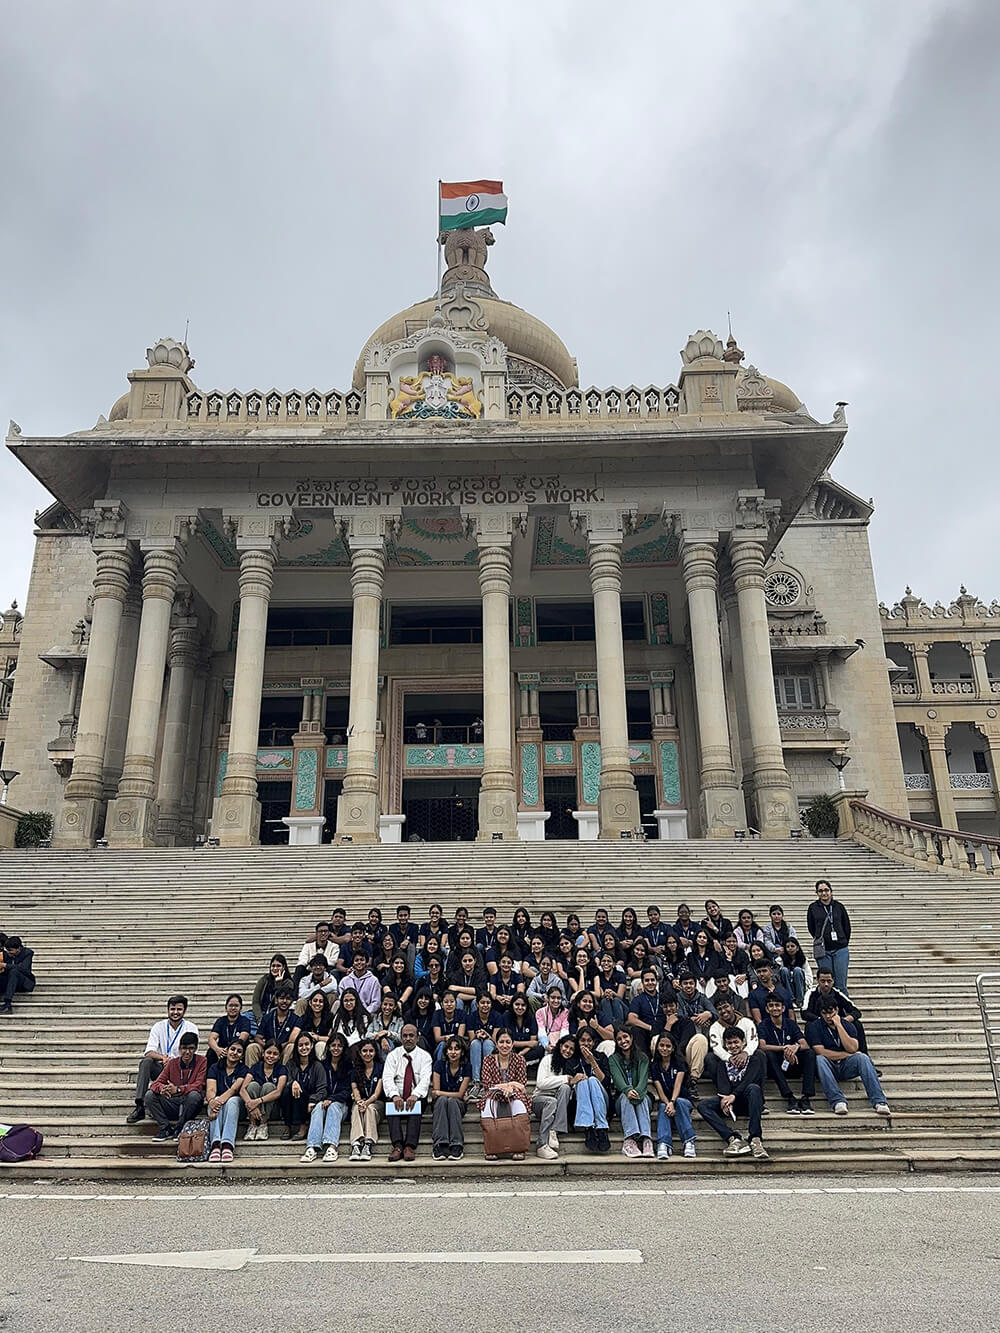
x=435 y=393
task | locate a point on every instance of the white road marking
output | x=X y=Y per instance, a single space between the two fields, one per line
x=180 y=1196
x=236 y=1260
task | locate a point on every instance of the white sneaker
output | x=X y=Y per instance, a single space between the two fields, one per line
x=689 y=1148
x=262 y=1132
x=251 y=1134
x=553 y=1140
x=662 y=1153
x=331 y=1154
x=546 y=1153
x=309 y=1155
x=882 y=1109
x=840 y=1108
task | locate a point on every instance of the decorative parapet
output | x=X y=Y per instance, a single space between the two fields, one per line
x=966 y=609
x=258 y=407
x=535 y=403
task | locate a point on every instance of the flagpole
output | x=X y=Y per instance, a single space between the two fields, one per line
x=437 y=237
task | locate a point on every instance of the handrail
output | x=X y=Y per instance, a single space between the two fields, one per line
x=924 y=845
x=991 y=1049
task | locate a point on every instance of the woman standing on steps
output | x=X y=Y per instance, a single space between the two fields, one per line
x=263 y=1090
x=366 y=1100
x=222 y=1097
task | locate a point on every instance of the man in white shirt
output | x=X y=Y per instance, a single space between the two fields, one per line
x=321 y=943
x=319 y=977
x=406 y=1081
x=162 y=1043
x=729 y=1018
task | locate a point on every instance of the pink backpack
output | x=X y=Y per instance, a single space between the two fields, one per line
x=19 y=1143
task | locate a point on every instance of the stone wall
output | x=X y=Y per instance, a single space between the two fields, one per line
x=61 y=576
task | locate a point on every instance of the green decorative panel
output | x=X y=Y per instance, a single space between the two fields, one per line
x=272 y=760
x=223 y=765
x=559 y=753
x=443 y=756
x=671 y=773
x=234 y=627
x=336 y=756
x=529 y=774
x=659 y=618
x=590 y=759
x=306 y=780
x=551 y=549
x=524 y=623
x=640 y=752
x=661 y=550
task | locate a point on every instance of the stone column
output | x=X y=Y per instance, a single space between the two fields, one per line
x=304 y=820
x=236 y=814
x=977 y=652
x=497 y=794
x=121 y=692
x=182 y=658
x=919 y=651
x=618 y=800
x=772 y=792
x=196 y=718
x=936 y=736
x=84 y=796
x=358 y=802
x=132 y=815
x=721 y=803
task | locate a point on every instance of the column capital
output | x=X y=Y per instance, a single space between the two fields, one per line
x=756 y=512
x=113 y=577
x=367 y=567
x=106 y=519
x=605 y=560
x=162 y=531
x=256 y=577
x=495 y=572
x=185 y=643
x=160 y=567
x=494 y=527
x=916 y=649
x=603 y=524
x=974 y=648
x=256 y=531
x=746 y=556
x=700 y=561
x=369 y=527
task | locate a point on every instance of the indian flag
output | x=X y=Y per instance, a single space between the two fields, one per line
x=471 y=204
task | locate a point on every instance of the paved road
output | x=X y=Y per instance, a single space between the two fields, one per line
x=907 y=1253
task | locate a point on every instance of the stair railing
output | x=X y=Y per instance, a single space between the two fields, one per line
x=984 y=1013
x=922 y=845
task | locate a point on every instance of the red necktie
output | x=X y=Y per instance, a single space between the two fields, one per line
x=407 y=1078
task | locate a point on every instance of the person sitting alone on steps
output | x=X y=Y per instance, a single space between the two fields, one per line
x=15 y=972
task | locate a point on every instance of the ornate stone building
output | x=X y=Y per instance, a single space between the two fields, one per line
x=465 y=597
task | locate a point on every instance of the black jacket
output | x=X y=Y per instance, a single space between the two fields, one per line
x=21 y=962
x=755 y=1071
x=821 y=925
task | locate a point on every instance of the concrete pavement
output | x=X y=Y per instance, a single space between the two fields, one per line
x=864 y=1253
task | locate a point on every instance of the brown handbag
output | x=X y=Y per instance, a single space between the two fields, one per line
x=505 y=1133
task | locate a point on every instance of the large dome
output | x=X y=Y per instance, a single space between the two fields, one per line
x=535 y=355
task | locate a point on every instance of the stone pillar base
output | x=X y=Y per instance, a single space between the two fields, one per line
x=357 y=817
x=673 y=824
x=304 y=830
x=131 y=823
x=77 y=822
x=390 y=827
x=236 y=821
x=618 y=812
x=497 y=814
x=8 y=826
x=773 y=807
x=722 y=812
x=586 y=824
x=531 y=825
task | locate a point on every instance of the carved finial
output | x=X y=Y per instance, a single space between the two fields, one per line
x=909 y=591
x=963 y=590
x=169 y=352
x=702 y=344
x=13 y=428
x=838 y=413
x=732 y=352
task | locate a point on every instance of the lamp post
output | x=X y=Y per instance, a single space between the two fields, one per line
x=840 y=760
x=7 y=776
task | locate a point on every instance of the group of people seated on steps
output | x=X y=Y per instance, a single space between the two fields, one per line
x=383 y=1026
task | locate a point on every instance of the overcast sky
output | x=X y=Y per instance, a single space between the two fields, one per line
x=827 y=172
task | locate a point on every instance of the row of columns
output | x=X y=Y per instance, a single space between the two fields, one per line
x=140 y=814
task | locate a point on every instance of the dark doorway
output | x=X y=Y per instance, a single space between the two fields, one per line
x=331 y=793
x=441 y=810
x=646 y=787
x=275 y=802
x=560 y=801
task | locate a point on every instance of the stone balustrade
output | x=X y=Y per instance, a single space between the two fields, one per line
x=213 y=407
x=526 y=404
x=926 y=846
x=910 y=689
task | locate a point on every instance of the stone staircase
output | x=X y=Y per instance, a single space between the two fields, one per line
x=115 y=933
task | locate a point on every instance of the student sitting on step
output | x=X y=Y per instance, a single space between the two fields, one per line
x=825 y=989
x=178 y=1093
x=767 y=986
x=739 y=1081
x=728 y=1018
x=358 y=943
x=320 y=977
x=317 y=1022
x=329 y=1102
x=319 y=942
x=838 y=1058
x=222 y=1096
x=15 y=972
x=645 y=1013
x=263 y=993
x=450 y=1087
x=352 y=1020
x=787 y=1054
x=669 y=1077
x=520 y=1023
x=263 y=1089
x=545 y=979
x=161 y=1044
x=688 y=1040
x=278 y=1024
x=232 y=1026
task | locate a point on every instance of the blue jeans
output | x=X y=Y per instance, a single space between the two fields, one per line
x=837 y=962
x=477 y=1050
x=834 y=1072
x=611 y=1012
x=794 y=979
x=224 y=1124
x=634 y=1117
x=324 y=1125
x=591 y=1104
x=682 y=1118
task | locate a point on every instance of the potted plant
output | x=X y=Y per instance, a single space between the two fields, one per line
x=33 y=828
x=821 y=817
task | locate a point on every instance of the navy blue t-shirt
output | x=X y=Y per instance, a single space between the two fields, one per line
x=452 y=1082
x=819 y=1033
x=224 y=1080
x=259 y=1075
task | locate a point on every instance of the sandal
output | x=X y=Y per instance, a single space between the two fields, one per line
x=216 y=1154
x=227 y=1154
x=517 y=1157
x=490 y=1157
